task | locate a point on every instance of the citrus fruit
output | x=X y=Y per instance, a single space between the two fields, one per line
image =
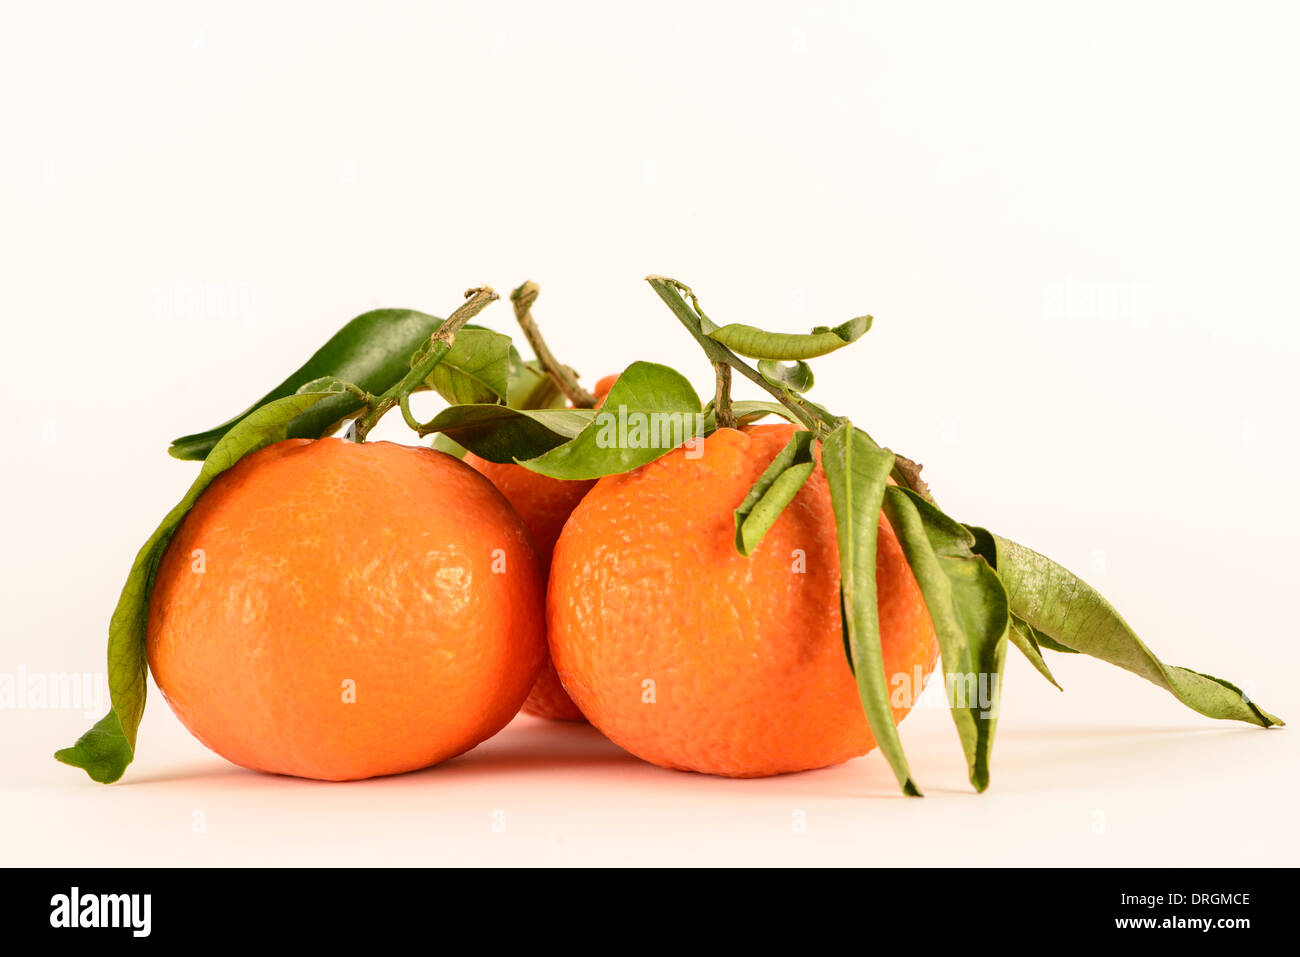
x=338 y=610
x=692 y=656
x=544 y=503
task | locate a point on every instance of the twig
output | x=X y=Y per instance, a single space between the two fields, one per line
x=563 y=377
x=476 y=300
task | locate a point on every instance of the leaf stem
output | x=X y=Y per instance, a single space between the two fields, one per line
x=476 y=300
x=816 y=420
x=564 y=377
x=811 y=416
x=367 y=398
x=722 y=396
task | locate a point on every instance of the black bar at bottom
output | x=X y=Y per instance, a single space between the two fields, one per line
x=967 y=906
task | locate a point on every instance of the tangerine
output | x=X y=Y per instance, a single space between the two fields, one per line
x=544 y=503
x=337 y=610
x=692 y=656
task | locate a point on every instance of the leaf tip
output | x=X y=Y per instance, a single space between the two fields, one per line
x=179 y=449
x=98 y=772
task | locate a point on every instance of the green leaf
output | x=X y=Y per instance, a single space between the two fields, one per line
x=774 y=490
x=856 y=470
x=106 y=749
x=797 y=376
x=499 y=433
x=747 y=412
x=756 y=343
x=1024 y=637
x=475 y=370
x=372 y=352
x=1069 y=611
x=968 y=607
x=650 y=411
x=444 y=443
x=328 y=383
x=102 y=752
x=1051 y=644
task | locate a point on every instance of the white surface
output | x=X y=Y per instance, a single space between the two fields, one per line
x=1090 y=778
x=1075 y=230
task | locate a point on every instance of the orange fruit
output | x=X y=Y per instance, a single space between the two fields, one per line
x=692 y=656
x=337 y=610
x=544 y=503
x=602 y=388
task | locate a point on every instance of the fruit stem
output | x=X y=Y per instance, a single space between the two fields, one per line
x=564 y=378
x=722 y=411
x=815 y=420
x=476 y=300
x=811 y=416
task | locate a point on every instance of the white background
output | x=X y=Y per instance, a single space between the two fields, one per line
x=1075 y=225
